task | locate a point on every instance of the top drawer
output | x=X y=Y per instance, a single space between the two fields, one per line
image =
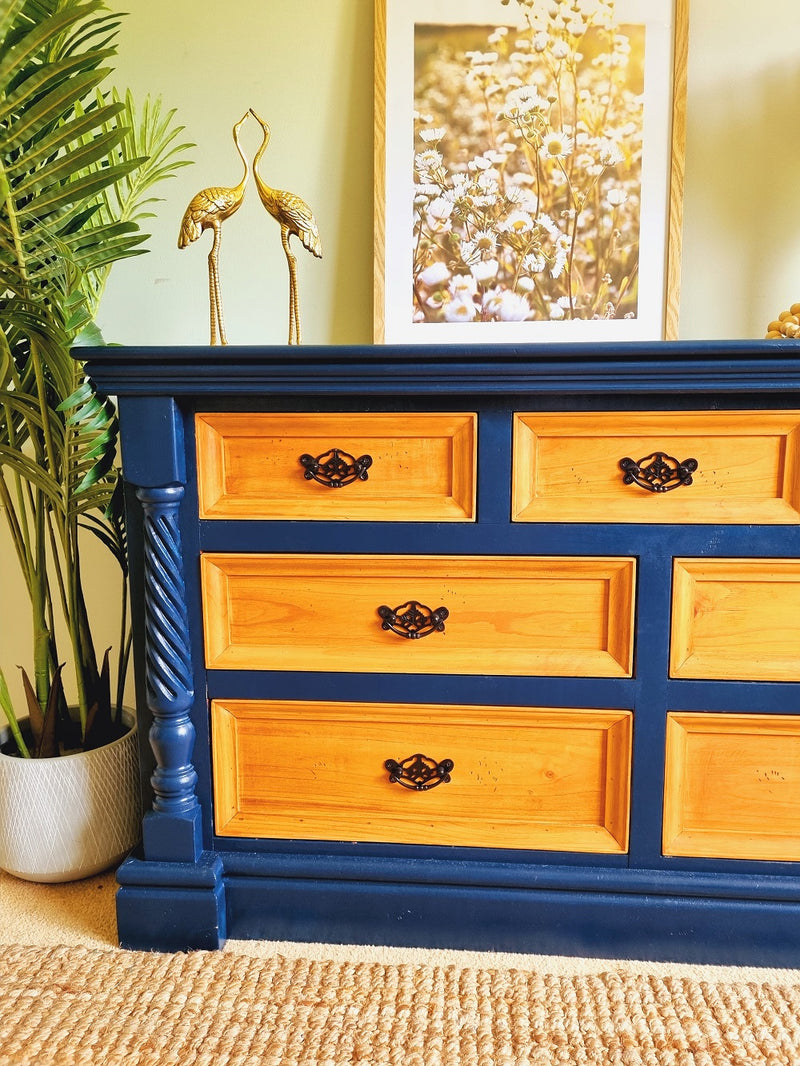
x=567 y=467
x=419 y=467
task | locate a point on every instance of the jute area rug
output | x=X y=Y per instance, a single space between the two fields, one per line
x=64 y=1006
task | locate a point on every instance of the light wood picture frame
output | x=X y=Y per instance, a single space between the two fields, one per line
x=529 y=170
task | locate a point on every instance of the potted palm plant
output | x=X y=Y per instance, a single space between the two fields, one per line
x=77 y=167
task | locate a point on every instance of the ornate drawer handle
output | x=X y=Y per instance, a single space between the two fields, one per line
x=658 y=472
x=413 y=620
x=336 y=468
x=419 y=772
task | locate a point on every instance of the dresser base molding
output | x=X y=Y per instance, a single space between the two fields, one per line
x=681 y=916
x=171 y=906
x=543 y=922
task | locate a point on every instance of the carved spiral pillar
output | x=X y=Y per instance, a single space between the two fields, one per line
x=168 y=668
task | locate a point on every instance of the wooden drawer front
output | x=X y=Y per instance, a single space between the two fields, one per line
x=566 y=467
x=736 y=619
x=522 y=777
x=731 y=786
x=423 y=466
x=507 y=615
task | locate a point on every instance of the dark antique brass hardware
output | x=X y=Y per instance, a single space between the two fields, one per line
x=658 y=472
x=419 y=772
x=336 y=468
x=413 y=619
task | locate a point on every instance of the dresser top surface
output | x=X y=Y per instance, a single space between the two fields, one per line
x=659 y=366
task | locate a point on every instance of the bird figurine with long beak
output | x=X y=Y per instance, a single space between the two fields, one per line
x=295 y=218
x=208 y=209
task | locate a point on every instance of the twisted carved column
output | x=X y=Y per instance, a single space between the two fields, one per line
x=168 y=666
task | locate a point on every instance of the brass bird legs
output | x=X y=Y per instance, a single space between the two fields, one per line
x=295 y=336
x=218 y=335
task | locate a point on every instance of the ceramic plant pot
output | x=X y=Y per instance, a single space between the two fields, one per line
x=73 y=816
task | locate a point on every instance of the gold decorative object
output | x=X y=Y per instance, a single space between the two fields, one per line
x=295 y=217
x=787 y=324
x=208 y=209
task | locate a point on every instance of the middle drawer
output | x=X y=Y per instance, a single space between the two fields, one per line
x=517 y=615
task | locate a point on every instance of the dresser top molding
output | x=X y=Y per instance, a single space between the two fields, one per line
x=639 y=367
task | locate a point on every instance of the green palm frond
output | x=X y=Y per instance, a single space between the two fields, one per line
x=54 y=165
x=152 y=141
x=78 y=164
x=91 y=422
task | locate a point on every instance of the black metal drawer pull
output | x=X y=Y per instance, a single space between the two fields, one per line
x=413 y=619
x=419 y=772
x=658 y=472
x=336 y=468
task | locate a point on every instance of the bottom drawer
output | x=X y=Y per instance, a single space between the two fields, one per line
x=731 y=786
x=522 y=777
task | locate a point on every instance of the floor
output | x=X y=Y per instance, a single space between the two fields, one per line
x=82 y=913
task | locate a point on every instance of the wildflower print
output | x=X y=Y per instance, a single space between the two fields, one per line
x=527 y=165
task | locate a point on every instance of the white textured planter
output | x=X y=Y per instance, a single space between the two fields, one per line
x=73 y=816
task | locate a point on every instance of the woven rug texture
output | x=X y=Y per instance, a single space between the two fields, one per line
x=65 y=1006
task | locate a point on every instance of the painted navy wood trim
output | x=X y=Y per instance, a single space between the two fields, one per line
x=168 y=681
x=681 y=367
x=606 y=925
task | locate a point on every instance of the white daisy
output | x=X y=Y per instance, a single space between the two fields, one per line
x=435 y=274
x=485 y=270
x=518 y=222
x=460 y=311
x=435 y=134
x=557 y=144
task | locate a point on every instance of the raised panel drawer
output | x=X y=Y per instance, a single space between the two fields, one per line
x=731 y=786
x=422 y=466
x=736 y=619
x=521 y=777
x=507 y=615
x=567 y=467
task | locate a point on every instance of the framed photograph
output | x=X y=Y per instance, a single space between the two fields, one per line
x=529 y=160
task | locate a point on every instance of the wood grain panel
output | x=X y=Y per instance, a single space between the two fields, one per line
x=508 y=615
x=731 y=786
x=736 y=619
x=566 y=466
x=423 y=466
x=523 y=777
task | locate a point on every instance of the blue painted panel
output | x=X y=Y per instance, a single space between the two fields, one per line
x=494 y=476
x=614 y=693
x=152 y=441
x=539 y=921
x=519 y=538
x=171 y=919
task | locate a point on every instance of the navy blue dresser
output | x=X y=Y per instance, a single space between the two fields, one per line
x=486 y=647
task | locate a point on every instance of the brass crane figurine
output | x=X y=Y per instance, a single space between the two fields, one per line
x=295 y=217
x=208 y=209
